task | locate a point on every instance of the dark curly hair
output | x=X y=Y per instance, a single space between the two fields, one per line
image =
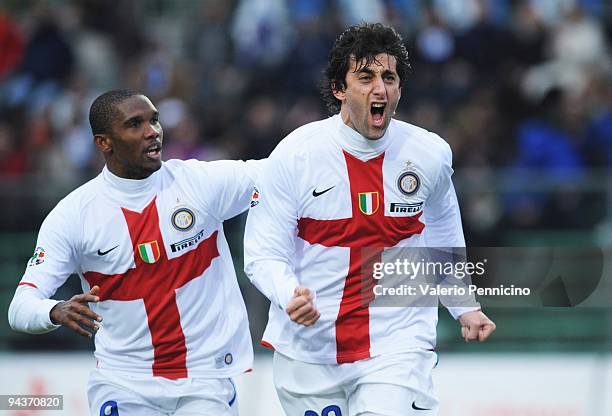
x=365 y=40
x=104 y=111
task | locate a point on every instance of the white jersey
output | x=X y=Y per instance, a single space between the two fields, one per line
x=324 y=195
x=169 y=297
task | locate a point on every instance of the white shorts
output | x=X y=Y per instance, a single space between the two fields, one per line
x=387 y=385
x=118 y=394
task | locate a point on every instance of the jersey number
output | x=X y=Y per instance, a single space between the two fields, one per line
x=109 y=408
x=332 y=410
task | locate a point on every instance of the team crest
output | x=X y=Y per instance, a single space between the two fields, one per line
x=149 y=252
x=255 y=197
x=38 y=257
x=183 y=219
x=368 y=202
x=408 y=183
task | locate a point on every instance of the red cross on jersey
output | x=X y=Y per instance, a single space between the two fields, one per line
x=326 y=195
x=368 y=227
x=155 y=279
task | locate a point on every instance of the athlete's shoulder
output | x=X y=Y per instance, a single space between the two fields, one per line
x=420 y=135
x=82 y=195
x=194 y=168
x=418 y=139
x=305 y=137
x=173 y=166
x=189 y=170
x=69 y=211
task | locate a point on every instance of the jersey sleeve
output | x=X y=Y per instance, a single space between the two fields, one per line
x=269 y=238
x=29 y=311
x=442 y=214
x=443 y=227
x=53 y=261
x=226 y=185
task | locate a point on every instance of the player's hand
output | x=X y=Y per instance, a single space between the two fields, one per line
x=476 y=326
x=75 y=313
x=301 y=308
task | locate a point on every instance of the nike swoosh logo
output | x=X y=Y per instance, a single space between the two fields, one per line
x=316 y=194
x=104 y=253
x=415 y=407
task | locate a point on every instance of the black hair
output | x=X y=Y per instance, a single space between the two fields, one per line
x=365 y=40
x=103 y=110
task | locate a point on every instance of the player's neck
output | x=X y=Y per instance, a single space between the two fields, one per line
x=357 y=145
x=132 y=186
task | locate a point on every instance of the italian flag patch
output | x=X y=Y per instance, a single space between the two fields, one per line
x=368 y=202
x=149 y=252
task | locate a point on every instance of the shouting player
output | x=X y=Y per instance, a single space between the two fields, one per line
x=160 y=292
x=329 y=190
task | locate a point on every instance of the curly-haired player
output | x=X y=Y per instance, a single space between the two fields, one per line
x=331 y=189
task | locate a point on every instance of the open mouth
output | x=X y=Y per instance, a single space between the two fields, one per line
x=378 y=110
x=154 y=150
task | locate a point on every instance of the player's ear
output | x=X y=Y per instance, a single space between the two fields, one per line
x=339 y=91
x=103 y=142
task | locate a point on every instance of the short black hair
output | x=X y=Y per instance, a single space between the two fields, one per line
x=103 y=110
x=365 y=40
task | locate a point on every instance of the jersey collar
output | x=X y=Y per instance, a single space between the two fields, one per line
x=133 y=187
x=357 y=145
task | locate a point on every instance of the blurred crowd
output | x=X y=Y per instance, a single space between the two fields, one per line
x=523 y=87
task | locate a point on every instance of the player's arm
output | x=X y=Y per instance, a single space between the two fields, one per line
x=32 y=310
x=226 y=186
x=29 y=311
x=444 y=230
x=301 y=307
x=476 y=325
x=76 y=314
x=269 y=242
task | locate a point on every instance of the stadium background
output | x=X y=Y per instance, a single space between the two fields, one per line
x=522 y=90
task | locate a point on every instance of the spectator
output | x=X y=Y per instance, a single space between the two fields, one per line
x=11 y=45
x=46 y=65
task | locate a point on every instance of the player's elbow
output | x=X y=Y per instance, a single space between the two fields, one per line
x=23 y=312
x=13 y=313
x=249 y=270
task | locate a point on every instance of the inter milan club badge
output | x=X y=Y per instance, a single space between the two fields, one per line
x=149 y=252
x=183 y=219
x=408 y=183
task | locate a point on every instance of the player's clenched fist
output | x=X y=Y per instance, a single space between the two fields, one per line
x=476 y=326
x=75 y=313
x=301 y=308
